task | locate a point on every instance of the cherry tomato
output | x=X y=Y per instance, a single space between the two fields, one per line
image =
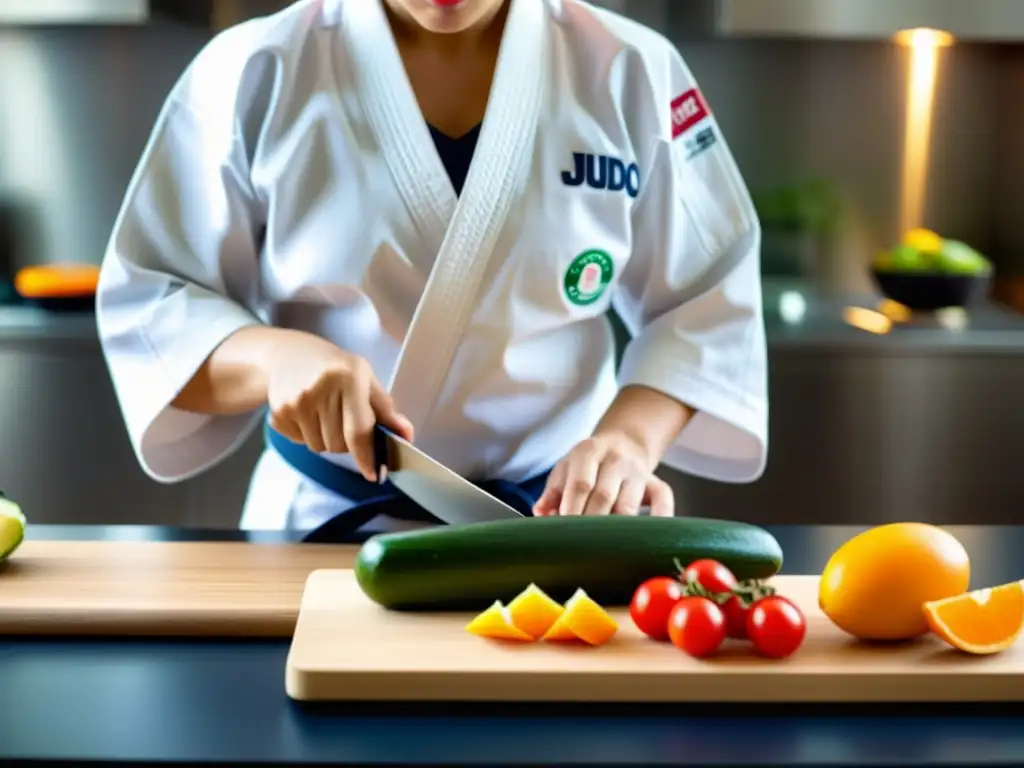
x=736 y=618
x=776 y=627
x=715 y=577
x=711 y=575
x=652 y=602
x=697 y=626
x=737 y=608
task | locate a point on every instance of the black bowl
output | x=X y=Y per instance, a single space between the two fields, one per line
x=930 y=291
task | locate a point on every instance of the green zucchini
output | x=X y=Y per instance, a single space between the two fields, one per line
x=468 y=567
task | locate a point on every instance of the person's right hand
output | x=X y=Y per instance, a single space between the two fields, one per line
x=329 y=400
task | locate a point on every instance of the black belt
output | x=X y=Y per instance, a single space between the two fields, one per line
x=375 y=499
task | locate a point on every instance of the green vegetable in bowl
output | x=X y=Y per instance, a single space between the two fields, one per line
x=906 y=258
x=951 y=258
x=958 y=258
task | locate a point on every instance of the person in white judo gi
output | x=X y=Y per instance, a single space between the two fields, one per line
x=419 y=213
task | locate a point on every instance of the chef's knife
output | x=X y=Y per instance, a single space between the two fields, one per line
x=446 y=495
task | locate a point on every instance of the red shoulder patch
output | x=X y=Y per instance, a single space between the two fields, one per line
x=688 y=109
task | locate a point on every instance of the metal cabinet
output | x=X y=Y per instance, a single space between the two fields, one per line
x=66 y=12
x=66 y=457
x=215 y=15
x=865 y=437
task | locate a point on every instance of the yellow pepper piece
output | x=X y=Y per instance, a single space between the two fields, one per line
x=496 y=624
x=534 y=612
x=559 y=633
x=583 y=619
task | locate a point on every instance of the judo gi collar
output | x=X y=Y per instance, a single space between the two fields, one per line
x=464 y=231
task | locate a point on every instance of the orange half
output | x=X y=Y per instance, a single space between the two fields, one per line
x=981 y=622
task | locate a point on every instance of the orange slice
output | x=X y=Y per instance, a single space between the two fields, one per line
x=57 y=280
x=534 y=612
x=583 y=619
x=496 y=624
x=980 y=622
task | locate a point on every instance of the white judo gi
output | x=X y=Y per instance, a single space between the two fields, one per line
x=291 y=180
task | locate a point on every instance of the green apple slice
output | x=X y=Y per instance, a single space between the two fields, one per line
x=12 y=527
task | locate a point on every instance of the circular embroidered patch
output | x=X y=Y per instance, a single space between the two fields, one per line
x=588 y=276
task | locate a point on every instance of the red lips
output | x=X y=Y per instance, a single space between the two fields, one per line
x=446 y=3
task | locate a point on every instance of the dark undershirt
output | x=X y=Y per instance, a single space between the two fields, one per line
x=456 y=154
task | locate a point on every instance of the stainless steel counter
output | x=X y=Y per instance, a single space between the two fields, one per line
x=797 y=318
x=794 y=317
x=919 y=423
x=27 y=324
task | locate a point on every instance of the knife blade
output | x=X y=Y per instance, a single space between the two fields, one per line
x=442 y=492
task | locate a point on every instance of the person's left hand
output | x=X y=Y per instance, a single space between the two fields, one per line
x=608 y=474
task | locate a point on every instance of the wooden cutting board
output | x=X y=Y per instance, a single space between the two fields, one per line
x=348 y=648
x=209 y=589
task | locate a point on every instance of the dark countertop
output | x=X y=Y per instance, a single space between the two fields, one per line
x=201 y=701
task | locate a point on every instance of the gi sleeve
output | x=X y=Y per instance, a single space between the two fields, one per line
x=185 y=235
x=691 y=293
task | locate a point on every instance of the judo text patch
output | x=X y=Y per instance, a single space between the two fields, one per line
x=603 y=173
x=691 y=121
x=588 y=276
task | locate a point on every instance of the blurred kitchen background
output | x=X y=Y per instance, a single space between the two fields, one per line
x=877 y=414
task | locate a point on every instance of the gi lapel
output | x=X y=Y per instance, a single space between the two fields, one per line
x=462 y=231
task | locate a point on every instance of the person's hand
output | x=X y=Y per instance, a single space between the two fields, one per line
x=329 y=399
x=609 y=474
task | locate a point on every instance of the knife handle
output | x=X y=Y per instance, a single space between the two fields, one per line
x=380 y=450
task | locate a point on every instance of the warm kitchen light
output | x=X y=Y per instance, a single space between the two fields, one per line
x=924 y=45
x=924 y=37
